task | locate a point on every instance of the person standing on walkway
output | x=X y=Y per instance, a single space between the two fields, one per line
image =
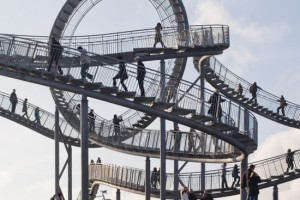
x=24 y=109
x=282 y=105
x=224 y=181
x=13 y=100
x=116 y=122
x=55 y=54
x=85 y=62
x=192 y=196
x=240 y=89
x=153 y=178
x=235 y=175
x=91 y=117
x=253 y=189
x=191 y=141
x=37 y=115
x=289 y=159
x=141 y=72
x=215 y=108
x=206 y=196
x=122 y=74
x=185 y=193
x=253 y=90
x=158 y=36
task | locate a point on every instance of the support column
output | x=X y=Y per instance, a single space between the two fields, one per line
x=202 y=112
x=118 y=194
x=147 y=181
x=275 y=192
x=56 y=139
x=84 y=148
x=70 y=180
x=162 y=138
x=176 y=166
x=244 y=169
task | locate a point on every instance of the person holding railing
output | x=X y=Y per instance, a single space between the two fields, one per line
x=25 y=107
x=37 y=115
x=141 y=72
x=282 y=105
x=55 y=54
x=289 y=159
x=158 y=36
x=13 y=100
x=253 y=90
x=116 y=122
x=85 y=62
x=122 y=74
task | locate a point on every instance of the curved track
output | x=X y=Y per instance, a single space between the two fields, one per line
x=271 y=170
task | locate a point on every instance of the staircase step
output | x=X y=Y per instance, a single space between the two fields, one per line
x=202 y=118
x=144 y=99
x=63 y=79
x=146 y=118
x=35 y=72
x=138 y=125
x=162 y=105
x=141 y=121
x=128 y=95
x=182 y=111
x=277 y=176
x=48 y=75
x=109 y=90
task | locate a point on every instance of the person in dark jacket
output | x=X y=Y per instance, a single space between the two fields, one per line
x=141 y=72
x=253 y=189
x=116 y=122
x=55 y=54
x=253 y=91
x=158 y=36
x=206 y=196
x=192 y=196
x=122 y=74
x=13 y=100
x=215 y=109
x=24 y=109
x=91 y=119
x=153 y=178
x=289 y=159
x=235 y=175
x=282 y=105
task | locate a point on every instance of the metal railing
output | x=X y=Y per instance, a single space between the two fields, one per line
x=47 y=120
x=264 y=98
x=33 y=55
x=132 y=178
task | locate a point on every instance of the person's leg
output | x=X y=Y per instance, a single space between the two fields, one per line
x=282 y=110
x=123 y=85
x=232 y=185
x=141 y=85
x=114 y=81
x=278 y=110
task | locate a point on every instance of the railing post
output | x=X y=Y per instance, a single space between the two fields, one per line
x=275 y=192
x=70 y=172
x=56 y=138
x=147 y=180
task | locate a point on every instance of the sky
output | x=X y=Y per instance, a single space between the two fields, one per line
x=264 y=47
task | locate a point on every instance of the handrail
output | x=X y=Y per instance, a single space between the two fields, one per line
x=264 y=98
x=266 y=169
x=34 y=54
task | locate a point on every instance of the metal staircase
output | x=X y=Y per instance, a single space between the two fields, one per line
x=21 y=59
x=271 y=170
x=227 y=82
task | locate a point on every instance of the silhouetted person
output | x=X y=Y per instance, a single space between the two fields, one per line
x=141 y=72
x=91 y=118
x=184 y=193
x=224 y=181
x=206 y=196
x=158 y=36
x=116 y=122
x=289 y=159
x=192 y=196
x=122 y=74
x=85 y=62
x=153 y=178
x=37 y=115
x=253 y=91
x=55 y=54
x=92 y=162
x=282 y=105
x=24 y=109
x=235 y=175
x=253 y=189
x=13 y=100
x=98 y=162
x=240 y=89
x=77 y=109
x=215 y=108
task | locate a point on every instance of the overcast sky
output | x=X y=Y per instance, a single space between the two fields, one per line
x=264 y=47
